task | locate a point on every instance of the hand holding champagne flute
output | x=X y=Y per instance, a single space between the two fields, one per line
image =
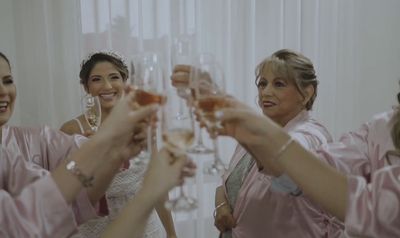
x=178 y=136
x=147 y=76
x=144 y=98
x=209 y=84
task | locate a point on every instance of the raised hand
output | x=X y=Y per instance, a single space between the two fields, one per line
x=167 y=170
x=243 y=123
x=120 y=125
x=224 y=219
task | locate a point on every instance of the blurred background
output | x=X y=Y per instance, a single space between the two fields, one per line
x=354 y=45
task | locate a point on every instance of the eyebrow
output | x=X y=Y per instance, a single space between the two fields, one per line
x=9 y=76
x=99 y=76
x=280 y=78
x=95 y=75
x=276 y=78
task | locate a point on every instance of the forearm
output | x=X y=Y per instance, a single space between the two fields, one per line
x=166 y=217
x=103 y=178
x=220 y=196
x=132 y=220
x=88 y=158
x=258 y=153
x=318 y=181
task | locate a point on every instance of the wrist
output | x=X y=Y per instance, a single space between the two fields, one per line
x=219 y=207
x=151 y=193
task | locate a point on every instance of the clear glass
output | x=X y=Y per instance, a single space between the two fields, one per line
x=209 y=95
x=148 y=77
x=177 y=134
x=181 y=54
x=92 y=111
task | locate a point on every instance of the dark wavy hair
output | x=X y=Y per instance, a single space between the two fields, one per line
x=5 y=58
x=88 y=65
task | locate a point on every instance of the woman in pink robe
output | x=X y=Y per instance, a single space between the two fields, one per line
x=44 y=147
x=31 y=202
x=366 y=191
x=36 y=203
x=263 y=204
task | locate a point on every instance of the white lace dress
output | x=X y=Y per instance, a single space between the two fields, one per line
x=123 y=187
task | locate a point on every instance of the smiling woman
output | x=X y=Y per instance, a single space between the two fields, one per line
x=7 y=90
x=250 y=203
x=104 y=74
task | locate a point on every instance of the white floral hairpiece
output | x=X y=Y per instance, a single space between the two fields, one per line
x=111 y=53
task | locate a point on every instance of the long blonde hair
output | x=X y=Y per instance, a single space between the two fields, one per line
x=292 y=66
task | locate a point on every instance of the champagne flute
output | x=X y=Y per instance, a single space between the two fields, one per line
x=92 y=111
x=182 y=52
x=178 y=135
x=209 y=85
x=147 y=76
x=199 y=147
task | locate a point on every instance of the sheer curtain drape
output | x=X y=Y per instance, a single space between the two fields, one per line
x=354 y=45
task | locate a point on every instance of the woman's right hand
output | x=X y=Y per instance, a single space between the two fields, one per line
x=224 y=219
x=180 y=77
x=119 y=127
x=166 y=170
x=244 y=124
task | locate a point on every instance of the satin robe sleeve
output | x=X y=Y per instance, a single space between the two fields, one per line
x=31 y=203
x=310 y=139
x=57 y=146
x=47 y=148
x=373 y=210
x=350 y=155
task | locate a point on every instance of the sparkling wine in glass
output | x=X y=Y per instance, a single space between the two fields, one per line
x=209 y=85
x=92 y=111
x=181 y=54
x=178 y=135
x=144 y=98
x=147 y=76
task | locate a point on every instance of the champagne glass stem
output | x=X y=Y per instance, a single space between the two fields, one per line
x=180 y=115
x=216 y=151
x=149 y=140
x=199 y=135
x=182 y=191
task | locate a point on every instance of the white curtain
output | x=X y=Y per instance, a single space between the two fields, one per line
x=354 y=45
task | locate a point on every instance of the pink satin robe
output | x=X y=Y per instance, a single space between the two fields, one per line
x=46 y=148
x=261 y=211
x=31 y=204
x=373 y=208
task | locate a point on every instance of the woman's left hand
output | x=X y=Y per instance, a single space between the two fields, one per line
x=167 y=170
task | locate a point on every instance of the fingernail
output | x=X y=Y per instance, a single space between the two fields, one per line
x=218 y=114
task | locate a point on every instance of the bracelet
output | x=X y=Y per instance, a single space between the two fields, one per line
x=283 y=148
x=86 y=181
x=217 y=207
